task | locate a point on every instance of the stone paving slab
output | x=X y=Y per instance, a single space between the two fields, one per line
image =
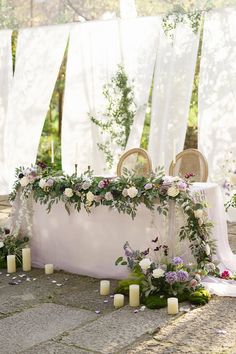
x=39 y=324
x=206 y=330
x=117 y=330
x=55 y=348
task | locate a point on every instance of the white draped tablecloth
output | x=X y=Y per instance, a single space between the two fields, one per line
x=89 y=244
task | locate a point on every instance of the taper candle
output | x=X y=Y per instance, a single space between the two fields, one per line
x=11 y=264
x=134 y=300
x=26 y=259
x=119 y=300
x=172 y=306
x=48 y=268
x=104 y=287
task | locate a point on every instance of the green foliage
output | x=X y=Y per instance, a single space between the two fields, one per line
x=200 y=297
x=155 y=302
x=123 y=285
x=115 y=123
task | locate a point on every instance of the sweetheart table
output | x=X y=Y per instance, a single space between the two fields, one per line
x=89 y=244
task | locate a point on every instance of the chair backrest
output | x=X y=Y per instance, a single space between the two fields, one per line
x=136 y=160
x=190 y=160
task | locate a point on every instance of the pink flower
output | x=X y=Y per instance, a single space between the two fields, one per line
x=226 y=274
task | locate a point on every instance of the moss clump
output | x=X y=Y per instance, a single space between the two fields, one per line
x=123 y=286
x=200 y=297
x=155 y=302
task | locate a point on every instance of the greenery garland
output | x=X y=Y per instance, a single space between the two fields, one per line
x=123 y=194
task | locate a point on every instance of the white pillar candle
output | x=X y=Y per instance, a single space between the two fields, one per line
x=52 y=151
x=26 y=259
x=104 y=287
x=174 y=151
x=48 y=268
x=172 y=306
x=11 y=264
x=134 y=300
x=119 y=300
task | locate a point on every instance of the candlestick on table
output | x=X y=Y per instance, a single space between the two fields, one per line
x=48 y=268
x=119 y=300
x=134 y=298
x=26 y=259
x=11 y=264
x=52 y=151
x=104 y=287
x=172 y=306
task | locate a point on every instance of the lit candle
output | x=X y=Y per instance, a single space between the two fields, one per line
x=174 y=151
x=26 y=259
x=172 y=306
x=48 y=268
x=11 y=264
x=104 y=287
x=52 y=151
x=119 y=300
x=134 y=300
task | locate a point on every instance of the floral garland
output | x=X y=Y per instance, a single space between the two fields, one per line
x=123 y=194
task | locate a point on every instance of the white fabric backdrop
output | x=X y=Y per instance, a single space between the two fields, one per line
x=38 y=58
x=93 y=57
x=174 y=74
x=217 y=90
x=6 y=74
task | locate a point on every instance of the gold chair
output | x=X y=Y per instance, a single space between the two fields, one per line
x=190 y=160
x=136 y=160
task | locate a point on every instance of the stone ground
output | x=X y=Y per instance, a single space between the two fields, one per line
x=56 y=314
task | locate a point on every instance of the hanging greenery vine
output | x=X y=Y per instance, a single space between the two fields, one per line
x=115 y=123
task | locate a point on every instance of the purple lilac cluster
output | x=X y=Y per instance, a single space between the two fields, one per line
x=182 y=276
x=171 y=277
x=177 y=261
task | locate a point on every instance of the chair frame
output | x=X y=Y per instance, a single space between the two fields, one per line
x=196 y=152
x=141 y=151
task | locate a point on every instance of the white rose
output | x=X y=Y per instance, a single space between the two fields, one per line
x=132 y=192
x=42 y=183
x=158 y=273
x=86 y=185
x=173 y=191
x=1 y=244
x=198 y=213
x=108 y=196
x=68 y=192
x=90 y=197
x=124 y=192
x=145 y=263
x=233 y=178
x=207 y=250
x=24 y=181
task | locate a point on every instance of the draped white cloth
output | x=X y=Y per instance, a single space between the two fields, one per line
x=38 y=58
x=217 y=90
x=6 y=75
x=93 y=58
x=172 y=89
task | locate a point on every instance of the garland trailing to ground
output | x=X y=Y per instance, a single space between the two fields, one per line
x=123 y=194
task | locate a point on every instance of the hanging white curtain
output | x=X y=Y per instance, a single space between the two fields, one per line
x=139 y=43
x=173 y=80
x=5 y=87
x=217 y=91
x=93 y=58
x=38 y=58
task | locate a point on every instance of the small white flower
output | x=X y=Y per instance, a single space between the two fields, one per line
x=132 y=192
x=145 y=263
x=24 y=181
x=68 y=192
x=124 y=192
x=108 y=196
x=42 y=183
x=207 y=249
x=158 y=273
x=198 y=213
x=173 y=191
x=90 y=197
x=1 y=244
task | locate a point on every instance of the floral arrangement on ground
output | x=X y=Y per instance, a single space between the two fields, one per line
x=123 y=194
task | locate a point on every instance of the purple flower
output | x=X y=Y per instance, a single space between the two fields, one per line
x=104 y=183
x=182 y=276
x=189 y=175
x=177 y=261
x=171 y=277
x=148 y=186
x=50 y=182
x=182 y=186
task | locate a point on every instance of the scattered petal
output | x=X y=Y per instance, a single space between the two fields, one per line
x=136 y=311
x=96 y=291
x=105 y=301
x=59 y=284
x=28 y=279
x=185 y=309
x=66 y=279
x=111 y=296
x=13 y=278
x=54 y=281
x=221 y=331
x=34 y=279
x=0 y=272
x=97 y=312
x=7 y=275
x=142 y=308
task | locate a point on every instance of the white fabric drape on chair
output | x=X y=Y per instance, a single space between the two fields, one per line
x=217 y=90
x=38 y=58
x=93 y=58
x=139 y=44
x=172 y=89
x=6 y=75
